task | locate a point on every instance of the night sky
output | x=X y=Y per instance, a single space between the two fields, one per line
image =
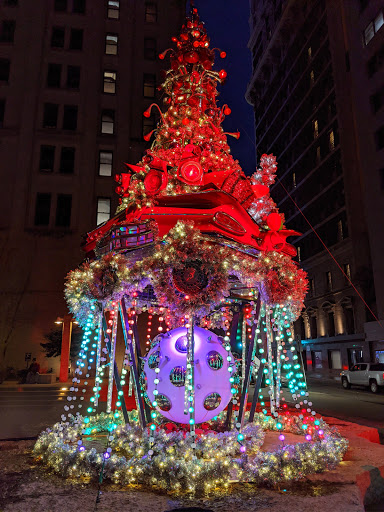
x=227 y=25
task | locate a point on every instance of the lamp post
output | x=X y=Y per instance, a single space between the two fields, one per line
x=67 y=322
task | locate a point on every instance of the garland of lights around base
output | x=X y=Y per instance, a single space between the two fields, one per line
x=200 y=251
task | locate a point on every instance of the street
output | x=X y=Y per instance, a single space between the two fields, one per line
x=26 y=410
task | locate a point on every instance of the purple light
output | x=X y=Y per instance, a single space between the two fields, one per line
x=308 y=437
x=106 y=455
x=82 y=448
x=281 y=437
x=242 y=449
x=321 y=432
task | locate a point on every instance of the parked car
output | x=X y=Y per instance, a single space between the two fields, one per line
x=364 y=374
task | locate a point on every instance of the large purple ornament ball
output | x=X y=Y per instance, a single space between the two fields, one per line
x=212 y=386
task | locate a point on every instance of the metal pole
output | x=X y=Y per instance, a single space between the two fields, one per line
x=129 y=345
x=115 y=372
x=244 y=393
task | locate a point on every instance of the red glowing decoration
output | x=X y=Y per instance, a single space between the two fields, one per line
x=227 y=111
x=222 y=74
x=274 y=221
x=155 y=181
x=223 y=55
x=191 y=57
x=260 y=190
x=190 y=172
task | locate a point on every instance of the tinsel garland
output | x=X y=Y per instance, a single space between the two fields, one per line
x=170 y=466
x=274 y=274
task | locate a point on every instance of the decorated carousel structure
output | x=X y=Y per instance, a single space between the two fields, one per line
x=203 y=249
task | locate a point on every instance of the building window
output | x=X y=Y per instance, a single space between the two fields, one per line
x=312 y=77
x=78 y=6
x=113 y=9
x=379 y=136
x=63 y=210
x=61 y=5
x=67 y=160
x=149 y=87
x=47 y=158
x=334 y=359
x=150 y=12
x=111 y=41
x=317 y=360
x=311 y=287
x=11 y=3
x=109 y=82
x=331 y=140
x=7 y=34
x=318 y=155
x=340 y=230
x=294 y=180
x=328 y=281
x=108 y=122
x=377 y=100
x=70 y=117
x=149 y=124
x=315 y=126
x=42 y=209
x=347 y=273
x=105 y=163
x=150 y=48
x=313 y=327
x=76 y=39
x=309 y=53
x=5 y=66
x=103 y=209
x=299 y=253
x=57 y=38
x=2 y=111
x=73 y=77
x=51 y=111
x=373 y=27
x=54 y=75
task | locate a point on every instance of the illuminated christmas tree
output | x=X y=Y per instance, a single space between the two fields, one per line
x=202 y=247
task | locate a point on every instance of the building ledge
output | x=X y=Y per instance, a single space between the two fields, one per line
x=340 y=338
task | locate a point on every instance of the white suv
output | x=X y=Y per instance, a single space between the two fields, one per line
x=364 y=374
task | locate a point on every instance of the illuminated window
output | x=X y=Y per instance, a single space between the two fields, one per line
x=331 y=140
x=103 y=209
x=294 y=179
x=111 y=44
x=299 y=253
x=315 y=126
x=108 y=122
x=340 y=230
x=328 y=277
x=109 y=82
x=312 y=77
x=347 y=273
x=105 y=163
x=113 y=9
x=149 y=86
x=372 y=28
x=150 y=12
x=309 y=53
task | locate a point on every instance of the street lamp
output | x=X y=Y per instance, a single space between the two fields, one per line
x=67 y=321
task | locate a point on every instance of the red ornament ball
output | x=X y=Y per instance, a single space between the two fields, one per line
x=191 y=172
x=191 y=57
x=154 y=181
x=222 y=74
x=223 y=55
x=274 y=221
x=227 y=111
